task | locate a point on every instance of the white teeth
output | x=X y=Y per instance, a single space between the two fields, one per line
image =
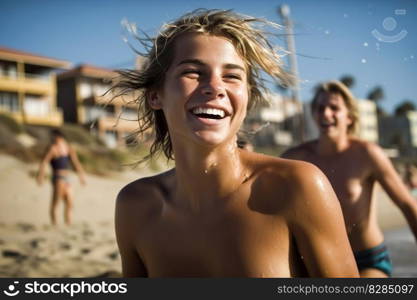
x=209 y=111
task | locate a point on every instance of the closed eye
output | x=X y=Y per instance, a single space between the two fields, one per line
x=233 y=76
x=191 y=72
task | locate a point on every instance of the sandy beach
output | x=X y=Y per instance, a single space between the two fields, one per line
x=30 y=247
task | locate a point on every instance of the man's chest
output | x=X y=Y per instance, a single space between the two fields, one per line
x=350 y=177
x=231 y=245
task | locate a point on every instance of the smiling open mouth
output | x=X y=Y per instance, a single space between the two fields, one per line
x=208 y=113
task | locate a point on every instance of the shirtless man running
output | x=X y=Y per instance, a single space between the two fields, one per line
x=222 y=211
x=353 y=166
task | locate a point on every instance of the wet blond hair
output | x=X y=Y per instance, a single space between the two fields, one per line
x=246 y=34
x=337 y=87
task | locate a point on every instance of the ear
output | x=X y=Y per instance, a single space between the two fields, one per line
x=154 y=100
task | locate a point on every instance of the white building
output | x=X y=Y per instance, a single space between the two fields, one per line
x=368 y=120
x=279 y=123
x=400 y=132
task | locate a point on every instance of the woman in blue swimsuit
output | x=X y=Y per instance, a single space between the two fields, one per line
x=60 y=154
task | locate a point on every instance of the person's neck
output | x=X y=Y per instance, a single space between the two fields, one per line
x=328 y=145
x=205 y=176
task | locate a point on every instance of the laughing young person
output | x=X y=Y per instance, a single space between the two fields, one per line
x=353 y=167
x=222 y=211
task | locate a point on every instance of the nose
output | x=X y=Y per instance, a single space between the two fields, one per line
x=213 y=87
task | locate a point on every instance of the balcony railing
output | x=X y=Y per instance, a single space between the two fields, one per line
x=29 y=76
x=53 y=118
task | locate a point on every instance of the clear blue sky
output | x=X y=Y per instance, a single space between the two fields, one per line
x=335 y=35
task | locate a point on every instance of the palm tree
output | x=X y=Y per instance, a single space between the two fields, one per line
x=404 y=107
x=376 y=95
x=348 y=80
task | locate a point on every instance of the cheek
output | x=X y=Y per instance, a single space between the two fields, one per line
x=242 y=92
x=242 y=95
x=343 y=116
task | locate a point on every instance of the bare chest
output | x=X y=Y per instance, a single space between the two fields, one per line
x=349 y=178
x=235 y=243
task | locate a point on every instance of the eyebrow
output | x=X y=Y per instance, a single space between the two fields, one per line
x=201 y=63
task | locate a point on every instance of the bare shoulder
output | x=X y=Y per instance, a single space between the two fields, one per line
x=294 y=182
x=362 y=145
x=308 y=191
x=286 y=169
x=301 y=151
x=370 y=151
x=49 y=152
x=305 y=179
x=143 y=197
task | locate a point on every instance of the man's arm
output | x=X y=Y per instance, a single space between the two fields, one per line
x=384 y=172
x=126 y=220
x=317 y=223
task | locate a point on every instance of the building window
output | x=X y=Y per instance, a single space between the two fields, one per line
x=86 y=90
x=110 y=139
x=94 y=112
x=9 y=101
x=36 y=105
x=8 y=69
x=129 y=114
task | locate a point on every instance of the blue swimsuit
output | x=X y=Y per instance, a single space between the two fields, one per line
x=376 y=257
x=60 y=163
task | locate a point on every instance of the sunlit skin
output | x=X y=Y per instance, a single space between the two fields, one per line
x=353 y=167
x=223 y=211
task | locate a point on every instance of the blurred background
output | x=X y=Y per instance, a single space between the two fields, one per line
x=57 y=59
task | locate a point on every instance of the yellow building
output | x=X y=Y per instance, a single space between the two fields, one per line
x=28 y=87
x=83 y=99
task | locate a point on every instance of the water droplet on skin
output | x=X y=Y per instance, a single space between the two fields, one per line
x=214 y=165
x=245 y=177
